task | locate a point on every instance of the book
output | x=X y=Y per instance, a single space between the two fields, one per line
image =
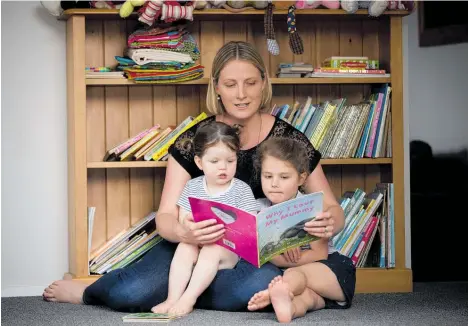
x=148 y=317
x=259 y=238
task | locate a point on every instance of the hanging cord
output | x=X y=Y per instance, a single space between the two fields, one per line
x=272 y=44
x=295 y=41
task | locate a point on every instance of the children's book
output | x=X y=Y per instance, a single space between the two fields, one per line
x=259 y=238
x=148 y=317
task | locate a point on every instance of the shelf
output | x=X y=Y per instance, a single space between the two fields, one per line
x=368 y=280
x=274 y=81
x=152 y=164
x=207 y=13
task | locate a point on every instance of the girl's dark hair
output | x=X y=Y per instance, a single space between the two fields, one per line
x=212 y=133
x=284 y=149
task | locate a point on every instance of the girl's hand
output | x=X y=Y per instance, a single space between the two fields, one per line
x=292 y=255
x=204 y=232
x=321 y=226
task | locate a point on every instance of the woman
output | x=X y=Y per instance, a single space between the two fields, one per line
x=239 y=89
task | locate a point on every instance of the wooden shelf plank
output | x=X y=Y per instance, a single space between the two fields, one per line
x=152 y=164
x=368 y=280
x=200 y=14
x=124 y=81
x=126 y=164
x=274 y=81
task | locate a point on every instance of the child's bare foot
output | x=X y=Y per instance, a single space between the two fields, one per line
x=182 y=307
x=281 y=299
x=259 y=300
x=163 y=307
x=66 y=290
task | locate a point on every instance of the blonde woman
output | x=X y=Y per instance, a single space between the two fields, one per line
x=238 y=93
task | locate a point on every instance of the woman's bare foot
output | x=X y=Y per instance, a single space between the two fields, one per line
x=281 y=299
x=261 y=299
x=163 y=307
x=182 y=307
x=66 y=291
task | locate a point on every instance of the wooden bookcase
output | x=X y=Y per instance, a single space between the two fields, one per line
x=104 y=112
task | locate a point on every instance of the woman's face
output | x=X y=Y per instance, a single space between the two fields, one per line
x=240 y=86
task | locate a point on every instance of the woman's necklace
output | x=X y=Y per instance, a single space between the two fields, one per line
x=259 y=130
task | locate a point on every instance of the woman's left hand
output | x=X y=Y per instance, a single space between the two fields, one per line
x=322 y=226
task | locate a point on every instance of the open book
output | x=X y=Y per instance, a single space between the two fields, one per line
x=258 y=239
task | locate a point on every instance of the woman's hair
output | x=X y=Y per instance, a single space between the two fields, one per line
x=235 y=50
x=210 y=134
x=284 y=149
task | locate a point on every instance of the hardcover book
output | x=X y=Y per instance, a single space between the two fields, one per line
x=259 y=238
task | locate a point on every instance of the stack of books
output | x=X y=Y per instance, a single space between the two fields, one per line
x=294 y=70
x=339 y=66
x=126 y=247
x=150 y=144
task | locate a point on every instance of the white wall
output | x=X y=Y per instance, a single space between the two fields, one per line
x=437 y=87
x=34 y=149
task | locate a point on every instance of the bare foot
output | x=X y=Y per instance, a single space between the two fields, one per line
x=281 y=299
x=67 y=291
x=163 y=307
x=259 y=300
x=182 y=307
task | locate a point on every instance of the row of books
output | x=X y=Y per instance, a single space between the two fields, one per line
x=344 y=131
x=338 y=66
x=150 y=144
x=365 y=216
x=126 y=247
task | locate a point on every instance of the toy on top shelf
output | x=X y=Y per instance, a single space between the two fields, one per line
x=232 y=6
x=312 y=4
x=150 y=11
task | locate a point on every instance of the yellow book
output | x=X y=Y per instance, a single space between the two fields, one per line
x=135 y=147
x=163 y=150
x=322 y=125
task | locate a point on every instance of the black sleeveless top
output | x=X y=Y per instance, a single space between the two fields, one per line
x=245 y=167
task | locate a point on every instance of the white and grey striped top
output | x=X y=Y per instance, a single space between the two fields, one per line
x=238 y=195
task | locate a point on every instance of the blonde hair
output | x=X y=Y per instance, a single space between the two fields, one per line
x=235 y=50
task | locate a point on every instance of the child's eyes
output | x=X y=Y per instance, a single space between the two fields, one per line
x=214 y=161
x=267 y=176
x=284 y=177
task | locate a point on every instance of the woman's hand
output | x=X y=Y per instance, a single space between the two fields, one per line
x=322 y=226
x=292 y=255
x=204 y=232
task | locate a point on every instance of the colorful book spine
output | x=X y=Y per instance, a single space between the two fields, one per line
x=163 y=150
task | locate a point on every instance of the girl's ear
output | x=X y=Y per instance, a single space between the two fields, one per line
x=197 y=160
x=302 y=178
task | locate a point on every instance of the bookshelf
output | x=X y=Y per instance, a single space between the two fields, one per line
x=103 y=112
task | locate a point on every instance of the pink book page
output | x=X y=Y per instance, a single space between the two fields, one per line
x=241 y=227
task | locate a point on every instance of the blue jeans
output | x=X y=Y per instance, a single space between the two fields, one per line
x=142 y=285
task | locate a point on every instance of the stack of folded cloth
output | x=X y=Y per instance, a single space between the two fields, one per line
x=161 y=54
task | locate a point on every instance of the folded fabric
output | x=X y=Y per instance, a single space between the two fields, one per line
x=143 y=56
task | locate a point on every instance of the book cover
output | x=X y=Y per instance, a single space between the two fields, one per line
x=259 y=238
x=148 y=317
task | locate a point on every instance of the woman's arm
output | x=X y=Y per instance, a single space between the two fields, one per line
x=318 y=251
x=333 y=217
x=167 y=217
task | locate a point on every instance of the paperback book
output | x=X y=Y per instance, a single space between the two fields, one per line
x=259 y=238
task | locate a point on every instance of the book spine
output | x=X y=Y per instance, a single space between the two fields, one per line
x=365 y=240
x=163 y=150
x=378 y=110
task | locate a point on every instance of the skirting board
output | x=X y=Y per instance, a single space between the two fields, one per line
x=23 y=291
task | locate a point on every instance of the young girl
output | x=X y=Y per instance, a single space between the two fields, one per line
x=312 y=282
x=215 y=146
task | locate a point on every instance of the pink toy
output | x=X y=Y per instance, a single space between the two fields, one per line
x=312 y=4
